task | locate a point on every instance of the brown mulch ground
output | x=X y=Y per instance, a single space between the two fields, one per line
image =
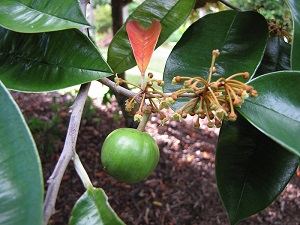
x=181 y=190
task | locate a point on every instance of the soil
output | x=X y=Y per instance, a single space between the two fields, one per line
x=182 y=189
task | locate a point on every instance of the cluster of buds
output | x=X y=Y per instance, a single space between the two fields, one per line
x=149 y=99
x=215 y=101
x=212 y=100
x=275 y=29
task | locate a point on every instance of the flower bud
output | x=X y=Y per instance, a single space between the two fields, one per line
x=160 y=83
x=214 y=70
x=128 y=108
x=163 y=105
x=174 y=96
x=253 y=93
x=216 y=52
x=214 y=86
x=246 y=75
x=177 y=117
x=210 y=124
x=244 y=95
x=237 y=102
x=176 y=80
x=138 y=117
x=192 y=113
x=218 y=123
x=150 y=75
x=162 y=116
x=184 y=115
x=249 y=88
x=197 y=124
x=220 y=113
x=170 y=100
x=232 y=117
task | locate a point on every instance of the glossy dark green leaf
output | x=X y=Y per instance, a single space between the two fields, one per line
x=276 y=57
x=276 y=110
x=21 y=182
x=93 y=208
x=241 y=38
x=49 y=61
x=251 y=169
x=34 y=16
x=171 y=14
x=295 y=58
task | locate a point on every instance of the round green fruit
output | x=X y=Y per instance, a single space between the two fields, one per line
x=129 y=155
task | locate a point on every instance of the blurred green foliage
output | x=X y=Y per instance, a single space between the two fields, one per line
x=103 y=19
x=101 y=2
x=275 y=9
x=47 y=131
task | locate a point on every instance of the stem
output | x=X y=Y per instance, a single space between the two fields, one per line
x=81 y=172
x=228 y=4
x=131 y=94
x=117 y=88
x=67 y=152
x=214 y=56
x=214 y=96
x=143 y=82
x=144 y=121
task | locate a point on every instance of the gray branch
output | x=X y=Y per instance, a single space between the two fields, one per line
x=67 y=152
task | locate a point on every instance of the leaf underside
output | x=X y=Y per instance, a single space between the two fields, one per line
x=93 y=208
x=143 y=41
x=251 y=169
x=171 y=14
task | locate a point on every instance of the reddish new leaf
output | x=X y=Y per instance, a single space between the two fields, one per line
x=143 y=41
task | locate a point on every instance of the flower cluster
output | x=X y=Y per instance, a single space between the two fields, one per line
x=275 y=29
x=149 y=98
x=212 y=100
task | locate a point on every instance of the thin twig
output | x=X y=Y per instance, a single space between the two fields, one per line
x=67 y=152
x=81 y=171
x=130 y=94
x=117 y=88
x=230 y=5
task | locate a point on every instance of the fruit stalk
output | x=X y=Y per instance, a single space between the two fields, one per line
x=81 y=172
x=142 y=124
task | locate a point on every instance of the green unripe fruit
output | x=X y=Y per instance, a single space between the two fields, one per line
x=129 y=155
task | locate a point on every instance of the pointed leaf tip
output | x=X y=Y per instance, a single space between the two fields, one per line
x=143 y=41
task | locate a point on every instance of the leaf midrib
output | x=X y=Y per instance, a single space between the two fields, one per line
x=51 y=64
x=276 y=112
x=158 y=42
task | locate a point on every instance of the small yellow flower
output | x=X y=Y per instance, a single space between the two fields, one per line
x=163 y=105
x=138 y=117
x=177 y=117
x=221 y=113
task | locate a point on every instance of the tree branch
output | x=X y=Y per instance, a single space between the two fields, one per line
x=117 y=88
x=67 y=153
x=228 y=4
x=130 y=94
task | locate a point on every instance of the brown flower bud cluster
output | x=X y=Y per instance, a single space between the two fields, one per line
x=149 y=99
x=214 y=101
x=276 y=29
